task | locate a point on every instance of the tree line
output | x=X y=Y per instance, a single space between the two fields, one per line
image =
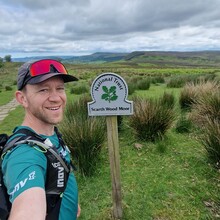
x=7 y=58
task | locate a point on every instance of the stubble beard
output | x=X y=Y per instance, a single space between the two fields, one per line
x=47 y=119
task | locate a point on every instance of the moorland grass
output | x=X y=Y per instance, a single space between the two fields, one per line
x=192 y=91
x=6 y=96
x=84 y=135
x=14 y=118
x=206 y=116
x=170 y=179
x=175 y=185
x=151 y=119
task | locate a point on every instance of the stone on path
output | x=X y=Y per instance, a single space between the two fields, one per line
x=5 y=109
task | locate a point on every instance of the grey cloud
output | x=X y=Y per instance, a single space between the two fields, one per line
x=88 y=25
x=122 y=17
x=45 y=4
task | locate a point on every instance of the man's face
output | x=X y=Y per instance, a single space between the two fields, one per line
x=45 y=101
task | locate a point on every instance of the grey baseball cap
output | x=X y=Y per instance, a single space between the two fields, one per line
x=24 y=76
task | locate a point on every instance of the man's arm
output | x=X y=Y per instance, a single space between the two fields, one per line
x=30 y=204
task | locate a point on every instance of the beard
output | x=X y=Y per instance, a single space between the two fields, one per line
x=47 y=117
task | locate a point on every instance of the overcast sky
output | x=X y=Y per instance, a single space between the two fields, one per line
x=78 y=27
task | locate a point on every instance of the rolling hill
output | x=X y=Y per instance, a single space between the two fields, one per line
x=166 y=58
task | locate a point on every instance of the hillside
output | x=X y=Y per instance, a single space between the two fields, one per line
x=98 y=57
x=200 y=58
x=162 y=58
x=95 y=57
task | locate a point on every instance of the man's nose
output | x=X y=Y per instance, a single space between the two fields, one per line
x=54 y=95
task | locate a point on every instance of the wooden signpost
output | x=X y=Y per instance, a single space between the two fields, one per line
x=109 y=93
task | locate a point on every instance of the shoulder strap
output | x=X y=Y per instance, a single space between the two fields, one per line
x=32 y=139
x=21 y=134
x=3 y=140
x=57 y=168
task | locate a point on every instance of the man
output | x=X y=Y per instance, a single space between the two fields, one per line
x=41 y=92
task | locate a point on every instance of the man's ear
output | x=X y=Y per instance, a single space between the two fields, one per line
x=21 y=98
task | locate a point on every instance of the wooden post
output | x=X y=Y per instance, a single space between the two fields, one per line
x=109 y=94
x=113 y=146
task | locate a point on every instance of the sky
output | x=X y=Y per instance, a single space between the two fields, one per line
x=80 y=27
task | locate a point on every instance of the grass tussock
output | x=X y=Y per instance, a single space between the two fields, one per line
x=131 y=88
x=79 y=89
x=181 y=80
x=84 y=135
x=211 y=140
x=143 y=84
x=167 y=100
x=192 y=91
x=206 y=107
x=151 y=119
x=183 y=124
x=157 y=79
x=138 y=83
x=206 y=116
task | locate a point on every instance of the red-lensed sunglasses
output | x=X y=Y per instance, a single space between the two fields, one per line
x=44 y=66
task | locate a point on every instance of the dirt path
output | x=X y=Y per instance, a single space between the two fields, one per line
x=5 y=109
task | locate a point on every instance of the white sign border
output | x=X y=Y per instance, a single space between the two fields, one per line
x=125 y=97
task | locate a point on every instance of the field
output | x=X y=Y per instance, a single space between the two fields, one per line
x=170 y=179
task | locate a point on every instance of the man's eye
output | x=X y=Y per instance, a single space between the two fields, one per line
x=43 y=90
x=61 y=88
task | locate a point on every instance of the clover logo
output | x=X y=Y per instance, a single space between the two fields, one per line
x=110 y=94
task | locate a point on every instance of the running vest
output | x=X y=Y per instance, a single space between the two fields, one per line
x=58 y=168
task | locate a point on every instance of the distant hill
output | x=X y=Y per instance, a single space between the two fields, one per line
x=98 y=57
x=198 y=58
x=95 y=57
x=25 y=59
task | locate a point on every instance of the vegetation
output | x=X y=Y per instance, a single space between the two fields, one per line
x=143 y=84
x=151 y=119
x=206 y=116
x=1 y=62
x=79 y=89
x=166 y=173
x=7 y=58
x=183 y=124
x=193 y=91
x=85 y=135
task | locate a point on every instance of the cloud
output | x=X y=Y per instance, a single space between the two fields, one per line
x=86 y=26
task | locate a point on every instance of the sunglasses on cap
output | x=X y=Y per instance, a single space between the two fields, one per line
x=42 y=67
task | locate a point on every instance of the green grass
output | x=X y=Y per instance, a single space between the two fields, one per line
x=7 y=79
x=156 y=91
x=174 y=184
x=6 y=96
x=14 y=118
x=170 y=185
x=168 y=180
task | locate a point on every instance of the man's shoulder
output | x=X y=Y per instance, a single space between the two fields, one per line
x=18 y=150
x=19 y=131
x=23 y=152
